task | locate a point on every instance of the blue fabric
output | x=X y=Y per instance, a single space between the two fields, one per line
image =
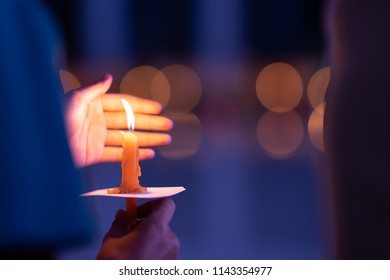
x=39 y=186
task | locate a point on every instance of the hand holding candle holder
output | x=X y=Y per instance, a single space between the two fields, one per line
x=123 y=241
x=130 y=187
x=130 y=166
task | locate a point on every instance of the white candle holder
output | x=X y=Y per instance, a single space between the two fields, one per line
x=151 y=192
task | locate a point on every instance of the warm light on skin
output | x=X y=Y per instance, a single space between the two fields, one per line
x=315 y=127
x=186 y=88
x=279 y=87
x=280 y=134
x=146 y=113
x=186 y=137
x=317 y=86
x=95 y=116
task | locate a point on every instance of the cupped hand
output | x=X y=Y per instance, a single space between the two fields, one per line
x=150 y=239
x=95 y=118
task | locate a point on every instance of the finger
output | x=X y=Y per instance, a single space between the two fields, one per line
x=120 y=226
x=160 y=210
x=114 y=154
x=117 y=120
x=146 y=208
x=145 y=139
x=93 y=90
x=112 y=102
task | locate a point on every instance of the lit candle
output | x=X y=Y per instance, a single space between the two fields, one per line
x=130 y=165
x=130 y=173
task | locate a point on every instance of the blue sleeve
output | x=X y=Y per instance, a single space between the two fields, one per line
x=39 y=186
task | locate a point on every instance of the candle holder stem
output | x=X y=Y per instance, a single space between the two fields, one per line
x=131 y=209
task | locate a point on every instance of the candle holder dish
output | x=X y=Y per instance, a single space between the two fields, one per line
x=151 y=192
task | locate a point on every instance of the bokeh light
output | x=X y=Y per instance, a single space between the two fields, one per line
x=315 y=127
x=280 y=134
x=146 y=82
x=186 y=137
x=68 y=80
x=279 y=87
x=186 y=88
x=317 y=86
x=160 y=89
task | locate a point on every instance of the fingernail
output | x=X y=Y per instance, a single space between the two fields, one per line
x=170 y=122
x=166 y=123
x=105 y=77
x=151 y=154
x=167 y=139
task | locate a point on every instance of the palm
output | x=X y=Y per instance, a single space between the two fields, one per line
x=94 y=120
x=87 y=132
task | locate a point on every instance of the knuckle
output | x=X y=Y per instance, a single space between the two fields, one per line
x=169 y=203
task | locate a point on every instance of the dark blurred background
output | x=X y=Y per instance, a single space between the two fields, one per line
x=244 y=82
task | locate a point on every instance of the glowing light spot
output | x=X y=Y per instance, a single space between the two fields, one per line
x=186 y=88
x=186 y=137
x=280 y=134
x=316 y=127
x=146 y=82
x=317 y=86
x=160 y=89
x=279 y=87
x=68 y=80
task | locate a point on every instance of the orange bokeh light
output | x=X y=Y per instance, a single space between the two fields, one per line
x=315 y=127
x=160 y=89
x=280 y=134
x=146 y=82
x=186 y=88
x=68 y=80
x=317 y=86
x=279 y=87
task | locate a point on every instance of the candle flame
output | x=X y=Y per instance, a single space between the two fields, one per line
x=129 y=114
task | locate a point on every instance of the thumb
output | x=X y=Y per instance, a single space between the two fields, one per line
x=120 y=226
x=93 y=90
